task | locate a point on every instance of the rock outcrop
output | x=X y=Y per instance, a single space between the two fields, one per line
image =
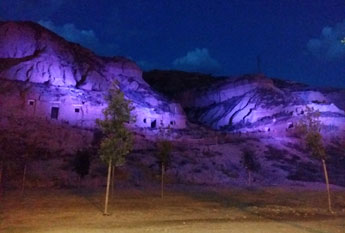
x=255 y=103
x=30 y=53
x=55 y=73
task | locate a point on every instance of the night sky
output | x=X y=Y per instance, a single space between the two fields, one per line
x=296 y=39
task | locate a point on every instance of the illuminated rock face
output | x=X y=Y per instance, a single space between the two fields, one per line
x=66 y=82
x=256 y=103
x=32 y=53
x=55 y=89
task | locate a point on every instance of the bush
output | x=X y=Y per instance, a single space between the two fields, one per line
x=250 y=162
x=82 y=163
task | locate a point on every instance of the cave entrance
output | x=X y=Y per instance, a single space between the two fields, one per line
x=153 y=124
x=54 y=114
x=31 y=102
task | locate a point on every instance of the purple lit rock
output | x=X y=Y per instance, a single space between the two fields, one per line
x=57 y=73
x=257 y=103
x=32 y=53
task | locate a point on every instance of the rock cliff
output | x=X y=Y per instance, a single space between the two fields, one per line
x=255 y=103
x=31 y=53
x=53 y=71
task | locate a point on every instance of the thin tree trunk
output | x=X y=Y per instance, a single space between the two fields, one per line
x=107 y=191
x=112 y=181
x=249 y=178
x=79 y=182
x=327 y=185
x=1 y=171
x=24 y=177
x=1 y=168
x=162 y=180
x=3 y=177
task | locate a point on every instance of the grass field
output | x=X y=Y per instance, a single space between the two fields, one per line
x=184 y=209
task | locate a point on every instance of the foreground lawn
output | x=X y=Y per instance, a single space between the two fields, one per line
x=184 y=209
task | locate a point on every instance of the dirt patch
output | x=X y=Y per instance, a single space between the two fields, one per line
x=184 y=209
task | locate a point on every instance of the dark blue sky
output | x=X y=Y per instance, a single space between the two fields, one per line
x=296 y=39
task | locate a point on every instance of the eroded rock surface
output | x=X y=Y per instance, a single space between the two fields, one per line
x=29 y=52
x=55 y=73
x=252 y=102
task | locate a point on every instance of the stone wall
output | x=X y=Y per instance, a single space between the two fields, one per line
x=76 y=107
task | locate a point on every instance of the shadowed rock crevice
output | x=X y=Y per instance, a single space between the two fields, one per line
x=7 y=63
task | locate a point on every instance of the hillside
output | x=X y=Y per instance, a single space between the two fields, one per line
x=249 y=103
x=52 y=90
x=55 y=73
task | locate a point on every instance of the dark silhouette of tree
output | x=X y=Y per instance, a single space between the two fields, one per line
x=11 y=151
x=250 y=163
x=29 y=148
x=5 y=153
x=164 y=148
x=81 y=163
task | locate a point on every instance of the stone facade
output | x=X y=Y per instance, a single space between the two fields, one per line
x=75 y=107
x=44 y=76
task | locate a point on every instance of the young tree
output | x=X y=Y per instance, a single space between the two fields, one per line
x=8 y=154
x=4 y=153
x=29 y=147
x=117 y=141
x=314 y=142
x=29 y=152
x=164 y=148
x=81 y=163
x=250 y=163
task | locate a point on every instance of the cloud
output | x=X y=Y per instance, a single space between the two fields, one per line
x=197 y=60
x=328 y=46
x=85 y=37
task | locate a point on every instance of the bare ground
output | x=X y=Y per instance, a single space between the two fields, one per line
x=184 y=209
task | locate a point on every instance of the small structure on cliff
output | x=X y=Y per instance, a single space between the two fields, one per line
x=44 y=76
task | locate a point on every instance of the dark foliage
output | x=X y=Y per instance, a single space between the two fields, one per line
x=164 y=149
x=250 y=161
x=82 y=163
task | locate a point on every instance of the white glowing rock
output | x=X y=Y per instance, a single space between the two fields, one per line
x=33 y=54
x=40 y=56
x=254 y=103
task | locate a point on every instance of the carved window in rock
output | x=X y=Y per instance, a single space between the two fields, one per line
x=54 y=114
x=144 y=120
x=290 y=125
x=153 y=124
x=31 y=102
x=77 y=110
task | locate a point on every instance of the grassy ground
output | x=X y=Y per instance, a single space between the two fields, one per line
x=182 y=210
